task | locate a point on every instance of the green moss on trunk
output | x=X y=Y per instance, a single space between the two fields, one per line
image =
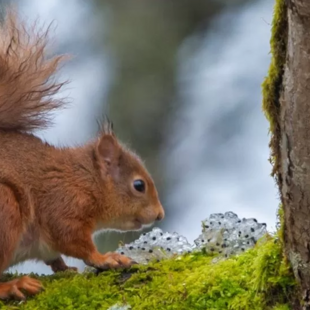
x=258 y=279
x=273 y=82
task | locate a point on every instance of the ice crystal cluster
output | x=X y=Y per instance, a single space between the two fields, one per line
x=156 y=244
x=227 y=234
x=224 y=234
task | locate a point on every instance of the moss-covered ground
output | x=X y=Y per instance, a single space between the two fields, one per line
x=257 y=279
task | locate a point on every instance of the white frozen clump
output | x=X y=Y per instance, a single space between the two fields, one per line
x=227 y=234
x=156 y=244
x=224 y=234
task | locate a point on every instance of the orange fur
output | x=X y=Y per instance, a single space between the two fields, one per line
x=52 y=200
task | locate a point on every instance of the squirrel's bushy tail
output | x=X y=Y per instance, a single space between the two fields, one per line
x=26 y=77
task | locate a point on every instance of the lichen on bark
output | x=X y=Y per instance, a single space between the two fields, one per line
x=273 y=82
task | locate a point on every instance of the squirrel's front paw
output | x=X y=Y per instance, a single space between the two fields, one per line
x=109 y=261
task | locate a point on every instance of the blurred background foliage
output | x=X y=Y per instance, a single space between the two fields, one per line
x=144 y=38
x=180 y=79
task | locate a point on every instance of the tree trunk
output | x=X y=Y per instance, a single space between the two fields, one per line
x=294 y=143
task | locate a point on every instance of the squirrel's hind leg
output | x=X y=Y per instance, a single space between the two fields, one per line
x=59 y=265
x=10 y=231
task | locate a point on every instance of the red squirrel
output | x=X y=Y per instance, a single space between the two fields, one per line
x=53 y=199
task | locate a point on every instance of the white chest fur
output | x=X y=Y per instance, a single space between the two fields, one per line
x=32 y=246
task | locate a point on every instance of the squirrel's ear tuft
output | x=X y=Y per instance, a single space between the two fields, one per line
x=108 y=149
x=105 y=126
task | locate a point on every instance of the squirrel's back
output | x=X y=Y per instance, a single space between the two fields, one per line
x=26 y=77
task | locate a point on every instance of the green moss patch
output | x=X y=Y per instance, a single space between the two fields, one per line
x=258 y=279
x=273 y=82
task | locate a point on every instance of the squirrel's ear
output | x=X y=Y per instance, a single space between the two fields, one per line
x=108 y=149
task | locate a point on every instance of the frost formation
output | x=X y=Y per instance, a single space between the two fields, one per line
x=225 y=234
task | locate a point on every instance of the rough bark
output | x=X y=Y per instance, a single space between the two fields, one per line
x=295 y=144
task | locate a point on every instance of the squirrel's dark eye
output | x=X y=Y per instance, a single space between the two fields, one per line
x=139 y=186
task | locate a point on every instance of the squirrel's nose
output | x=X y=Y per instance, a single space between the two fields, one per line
x=160 y=216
